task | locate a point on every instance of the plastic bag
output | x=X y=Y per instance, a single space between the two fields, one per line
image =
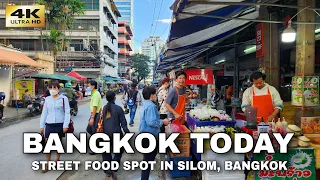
x=174 y=128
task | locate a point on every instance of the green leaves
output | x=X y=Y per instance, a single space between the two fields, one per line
x=140 y=64
x=55 y=38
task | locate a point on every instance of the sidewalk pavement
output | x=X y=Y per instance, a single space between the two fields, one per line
x=156 y=174
x=11 y=113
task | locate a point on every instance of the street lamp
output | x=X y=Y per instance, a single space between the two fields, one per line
x=289 y=34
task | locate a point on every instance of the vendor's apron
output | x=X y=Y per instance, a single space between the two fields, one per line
x=263 y=104
x=181 y=108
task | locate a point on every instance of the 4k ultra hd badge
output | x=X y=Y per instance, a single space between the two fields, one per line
x=25 y=16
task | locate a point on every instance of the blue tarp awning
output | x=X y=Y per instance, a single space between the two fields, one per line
x=190 y=35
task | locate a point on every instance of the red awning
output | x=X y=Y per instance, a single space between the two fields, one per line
x=76 y=75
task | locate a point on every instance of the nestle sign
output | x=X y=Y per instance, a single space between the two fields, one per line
x=199 y=76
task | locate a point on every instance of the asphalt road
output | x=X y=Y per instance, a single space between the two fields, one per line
x=15 y=165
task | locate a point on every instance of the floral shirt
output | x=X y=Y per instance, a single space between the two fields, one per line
x=162 y=95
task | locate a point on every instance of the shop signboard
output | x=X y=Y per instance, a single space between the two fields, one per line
x=310 y=125
x=260 y=40
x=22 y=85
x=300 y=165
x=305 y=91
x=199 y=76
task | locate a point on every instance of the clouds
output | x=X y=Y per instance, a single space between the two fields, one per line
x=164 y=21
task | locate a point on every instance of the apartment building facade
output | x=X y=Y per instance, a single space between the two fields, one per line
x=151 y=47
x=125 y=47
x=93 y=48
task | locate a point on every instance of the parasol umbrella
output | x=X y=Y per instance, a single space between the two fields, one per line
x=76 y=75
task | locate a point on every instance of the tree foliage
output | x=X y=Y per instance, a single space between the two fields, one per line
x=60 y=16
x=140 y=64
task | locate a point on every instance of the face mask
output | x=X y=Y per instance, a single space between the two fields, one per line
x=53 y=92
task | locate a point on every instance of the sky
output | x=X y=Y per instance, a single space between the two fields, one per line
x=147 y=12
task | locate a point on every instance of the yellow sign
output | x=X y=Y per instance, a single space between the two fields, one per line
x=23 y=85
x=25 y=16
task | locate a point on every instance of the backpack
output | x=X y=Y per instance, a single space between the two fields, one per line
x=132 y=99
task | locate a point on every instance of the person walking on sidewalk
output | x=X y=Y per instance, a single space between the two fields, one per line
x=55 y=117
x=150 y=122
x=113 y=121
x=95 y=108
x=132 y=99
x=2 y=97
x=177 y=98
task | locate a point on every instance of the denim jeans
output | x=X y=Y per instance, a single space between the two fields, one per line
x=148 y=157
x=133 y=110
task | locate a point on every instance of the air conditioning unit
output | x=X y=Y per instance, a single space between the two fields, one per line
x=72 y=49
x=91 y=28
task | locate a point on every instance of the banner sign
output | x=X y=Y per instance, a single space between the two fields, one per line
x=22 y=85
x=260 y=40
x=199 y=76
x=305 y=91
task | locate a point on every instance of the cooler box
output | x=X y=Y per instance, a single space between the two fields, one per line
x=176 y=173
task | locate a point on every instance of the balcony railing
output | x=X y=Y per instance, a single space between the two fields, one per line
x=75 y=64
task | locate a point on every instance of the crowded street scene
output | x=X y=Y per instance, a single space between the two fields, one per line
x=159 y=89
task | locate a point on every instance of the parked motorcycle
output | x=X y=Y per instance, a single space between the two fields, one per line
x=73 y=107
x=36 y=105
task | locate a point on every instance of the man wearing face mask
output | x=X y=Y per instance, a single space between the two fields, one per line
x=95 y=108
x=264 y=97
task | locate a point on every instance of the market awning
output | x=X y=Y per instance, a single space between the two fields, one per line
x=54 y=76
x=111 y=79
x=76 y=75
x=199 y=33
x=11 y=57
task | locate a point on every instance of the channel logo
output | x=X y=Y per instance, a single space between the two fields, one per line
x=25 y=16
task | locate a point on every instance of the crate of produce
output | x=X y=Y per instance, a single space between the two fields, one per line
x=193 y=122
x=176 y=173
x=184 y=146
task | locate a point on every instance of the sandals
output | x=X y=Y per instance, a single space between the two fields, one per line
x=46 y=169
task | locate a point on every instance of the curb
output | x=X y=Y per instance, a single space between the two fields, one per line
x=13 y=120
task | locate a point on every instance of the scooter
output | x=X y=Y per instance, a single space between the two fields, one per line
x=36 y=105
x=73 y=107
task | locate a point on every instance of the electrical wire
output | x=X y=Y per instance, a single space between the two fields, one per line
x=158 y=17
x=154 y=12
x=165 y=30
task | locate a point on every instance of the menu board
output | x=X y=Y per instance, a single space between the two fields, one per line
x=300 y=161
x=310 y=125
x=305 y=91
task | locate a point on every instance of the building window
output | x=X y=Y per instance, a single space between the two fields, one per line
x=84 y=24
x=121 y=56
x=123 y=3
x=79 y=46
x=124 y=8
x=125 y=13
x=121 y=45
x=125 y=18
x=91 y=4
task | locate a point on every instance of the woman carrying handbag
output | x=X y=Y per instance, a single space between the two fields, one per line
x=55 y=117
x=112 y=120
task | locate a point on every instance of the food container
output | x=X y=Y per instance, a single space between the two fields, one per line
x=294 y=129
x=293 y=143
x=303 y=141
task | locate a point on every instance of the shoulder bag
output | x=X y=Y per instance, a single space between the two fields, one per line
x=71 y=127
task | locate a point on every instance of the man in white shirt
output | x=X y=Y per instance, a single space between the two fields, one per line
x=262 y=96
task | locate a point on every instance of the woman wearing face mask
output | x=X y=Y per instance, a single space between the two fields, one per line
x=55 y=117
